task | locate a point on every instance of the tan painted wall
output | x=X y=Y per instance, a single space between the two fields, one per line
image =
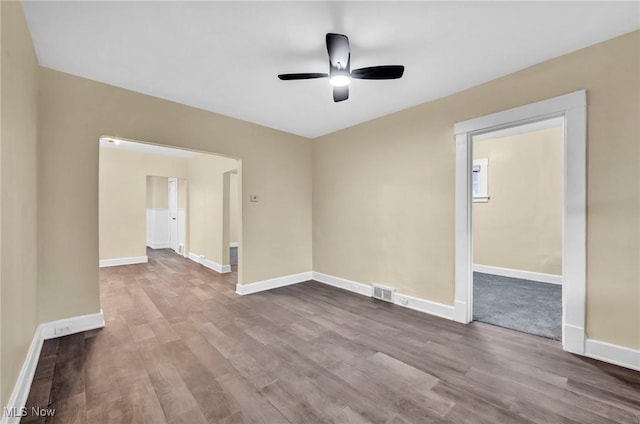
x=206 y=219
x=123 y=181
x=233 y=208
x=18 y=194
x=183 y=187
x=520 y=227
x=383 y=191
x=157 y=192
x=123 y=199
x=75 y=112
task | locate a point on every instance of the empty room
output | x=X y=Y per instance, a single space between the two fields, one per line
x=319 y=212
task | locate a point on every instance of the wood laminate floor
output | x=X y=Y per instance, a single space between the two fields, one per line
x=180 y=346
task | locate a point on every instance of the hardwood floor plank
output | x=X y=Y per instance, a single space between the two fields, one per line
x=180 y=346
x=562 y=402
x=253 y=404
x=290 y=405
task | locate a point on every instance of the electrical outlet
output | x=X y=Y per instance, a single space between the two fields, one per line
x=404 y=301
x=63 y=329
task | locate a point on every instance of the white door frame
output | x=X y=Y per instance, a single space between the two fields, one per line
x=174 y=223
x=572 y=108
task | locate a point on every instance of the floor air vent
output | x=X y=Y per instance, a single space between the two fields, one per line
x=383 y=293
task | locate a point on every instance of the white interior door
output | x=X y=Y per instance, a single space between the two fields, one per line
x=173 y=214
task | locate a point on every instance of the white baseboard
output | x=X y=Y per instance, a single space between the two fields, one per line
x=124 y=261
x=614 y=354
x=158 y=244
x=406 y=301
x=71 y=325
x=516 y=273
x=423 y=305
x=221 y=269
x=342 y=283
x=573 y=339
x=273 y=283
x=194 y=257
x=20 y=393
x=233 y=244
x=44 y=331
x=460 y=313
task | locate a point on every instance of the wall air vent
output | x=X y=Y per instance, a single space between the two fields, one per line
x=383 y=293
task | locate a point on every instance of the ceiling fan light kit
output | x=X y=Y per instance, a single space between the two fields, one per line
x=340 y=73
x=340 y=79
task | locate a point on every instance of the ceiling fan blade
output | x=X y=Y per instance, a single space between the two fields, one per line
x=340 y=93
x=338 y=49
x=379 y=72
x=302 y=76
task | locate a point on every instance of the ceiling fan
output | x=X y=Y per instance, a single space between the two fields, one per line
x=340 y=72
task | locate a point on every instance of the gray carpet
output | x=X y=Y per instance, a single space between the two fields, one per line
x=528 y=306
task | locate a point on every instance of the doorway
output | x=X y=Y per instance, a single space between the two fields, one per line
x=166 y=213
x=517 y=195
x=186 y=198
x=173 y=214
x=571 y=109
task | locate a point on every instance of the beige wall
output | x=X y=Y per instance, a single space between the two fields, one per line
x=157 y=192
x=124 y=178
x=75 y=112
x=383 y=191
x=206 y=207
x=18 y=194
x=183 y=187
x=520 y=227
x=123 y=198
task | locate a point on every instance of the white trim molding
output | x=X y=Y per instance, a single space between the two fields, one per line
x=66 y=326
x=423 y=305
x=273 y=283
x=406 y=301
x=521 y=129
x=221 y=269
x=341 y=283
x=158 y=244
x=124 y=261
x=572 y=110
x=613 y=354
x=233 y=244
x=517 y=273
x=18 y=398
x=45 y=331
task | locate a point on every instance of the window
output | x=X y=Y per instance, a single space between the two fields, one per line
x=479 y=180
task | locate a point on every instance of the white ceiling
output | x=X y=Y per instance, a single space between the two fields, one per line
x=224 y=56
